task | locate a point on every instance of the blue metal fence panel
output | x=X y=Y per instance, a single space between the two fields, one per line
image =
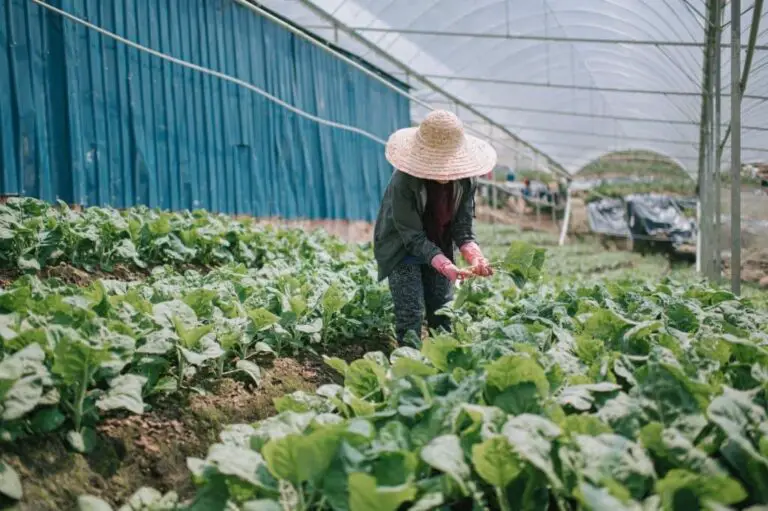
x=90 y=121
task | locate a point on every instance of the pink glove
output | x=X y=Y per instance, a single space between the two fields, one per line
x=472 y=254
x=449 y=270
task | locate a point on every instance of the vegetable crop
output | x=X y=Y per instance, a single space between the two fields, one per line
x=617 y=395
x=550 y=393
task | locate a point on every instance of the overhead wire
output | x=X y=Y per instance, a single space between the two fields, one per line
x=211 y=72
x=552 y=165
x=250 y=86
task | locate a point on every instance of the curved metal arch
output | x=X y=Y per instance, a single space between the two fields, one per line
x=592 y=159
x=641 y=66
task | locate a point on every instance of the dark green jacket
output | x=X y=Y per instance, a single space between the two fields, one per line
x=399 y=231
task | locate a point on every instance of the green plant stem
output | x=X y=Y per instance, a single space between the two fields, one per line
x=82 y=389
x=302 y=501
x=502 y=499
x=180 y=377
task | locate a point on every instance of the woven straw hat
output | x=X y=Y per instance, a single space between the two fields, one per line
x=440 y=150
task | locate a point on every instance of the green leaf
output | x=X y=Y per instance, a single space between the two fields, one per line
x=600 y=499
x=10 y=484
x=209 y=349
x=28 y=264
x=496 y=461
x=682 y=317
x=364 y=378
x=581 y=397
x=262 y=505
x=262 y=319
x=606 y=325
x=411 y=367
x=677 y=451
x=15 y=300
x=241 y=463
x=681 y=490
x=301 y=402
x=366 y=495
x=334 y=299
x=445 y=454
x=82 y=441
x=511 y=370
x=75 y=360
x=91 y=503
x=439 y=350
x=191 y=336
x=610 y=456
x=201 y=301
x=47 y=420
x=23 y=380
x=337 y=364
x=585 y=424
x=149 y=499
x=173 y=313
x=250 y=369
x=531 y=437
x=523 y=262
x=298 y=458
x=125 y=393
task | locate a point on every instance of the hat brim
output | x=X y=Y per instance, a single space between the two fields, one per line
x=408 y=153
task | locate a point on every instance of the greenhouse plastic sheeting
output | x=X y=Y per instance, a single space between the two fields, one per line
x=94 y=122
x=608 y=216
x=567 y=97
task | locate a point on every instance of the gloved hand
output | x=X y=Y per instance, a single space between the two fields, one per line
x=449 y=270
x=474 y=257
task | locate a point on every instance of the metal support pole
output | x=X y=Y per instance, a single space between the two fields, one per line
x=707 y=155
x=736 y=146
x=566 y=218
x=717 y=267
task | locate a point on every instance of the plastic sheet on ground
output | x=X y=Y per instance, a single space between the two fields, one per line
x=643 y=217
x=607 y=216
x=659 y=217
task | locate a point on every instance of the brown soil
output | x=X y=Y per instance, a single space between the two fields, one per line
x=152 y=449
x=351 y=232
x=75 y=276
x=754 y=266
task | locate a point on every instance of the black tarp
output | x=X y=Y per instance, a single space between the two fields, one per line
x=643 y=217
x=659 y=217
x=608 y=216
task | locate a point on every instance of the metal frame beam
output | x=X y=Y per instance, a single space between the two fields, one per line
x=605 y=150
x=691 y=143
x=608 y=159
x=578 y=87
x=412 y=73
x=524 y=37
x=602 y=116
x=736 y=148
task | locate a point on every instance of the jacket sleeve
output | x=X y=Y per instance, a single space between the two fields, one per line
x=462 y=228
x=408 y=223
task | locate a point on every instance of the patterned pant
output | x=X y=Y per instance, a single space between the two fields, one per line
x=415 y=287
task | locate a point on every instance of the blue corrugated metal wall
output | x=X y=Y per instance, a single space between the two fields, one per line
x=91 y=121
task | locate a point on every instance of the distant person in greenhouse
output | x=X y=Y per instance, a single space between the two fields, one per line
x=427 y=209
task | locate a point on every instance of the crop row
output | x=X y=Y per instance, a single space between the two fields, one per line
x=619 y=395
x=34 y=234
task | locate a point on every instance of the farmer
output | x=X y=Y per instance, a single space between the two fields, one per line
x=428 y=208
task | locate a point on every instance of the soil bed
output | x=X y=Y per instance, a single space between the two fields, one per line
x=152 y=449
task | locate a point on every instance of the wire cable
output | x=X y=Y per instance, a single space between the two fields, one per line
x=253 y=88
x=211 y=72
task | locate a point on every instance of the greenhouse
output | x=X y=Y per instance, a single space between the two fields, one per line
x=352 y=255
